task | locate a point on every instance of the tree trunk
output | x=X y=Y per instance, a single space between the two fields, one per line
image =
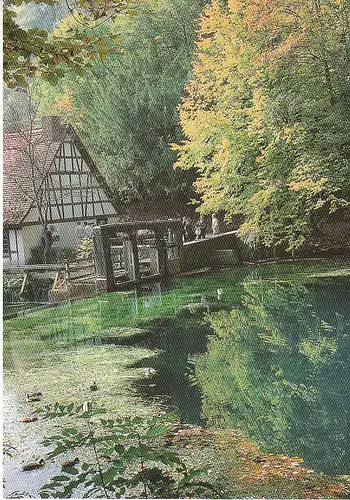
x=47 y=242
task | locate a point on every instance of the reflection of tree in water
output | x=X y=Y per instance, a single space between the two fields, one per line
x=177 y=339
x=278 y=368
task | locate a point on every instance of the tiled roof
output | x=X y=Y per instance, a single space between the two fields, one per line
x=20 y=166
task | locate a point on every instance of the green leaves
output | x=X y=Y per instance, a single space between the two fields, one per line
x=266 y=117
x=125 y=455
x=125 y=107
x=34 y=52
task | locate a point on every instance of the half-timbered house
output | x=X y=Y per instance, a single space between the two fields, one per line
x=49 y=175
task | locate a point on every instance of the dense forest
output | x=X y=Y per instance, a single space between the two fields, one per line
x=248 y=99
x=266 y=115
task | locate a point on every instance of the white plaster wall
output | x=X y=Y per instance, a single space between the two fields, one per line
x=31 y=239
x=17 y=254
x=66 y=230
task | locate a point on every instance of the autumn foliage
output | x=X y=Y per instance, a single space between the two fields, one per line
x=266 y=115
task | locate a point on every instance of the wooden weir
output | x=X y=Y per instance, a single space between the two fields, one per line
x=162 y=238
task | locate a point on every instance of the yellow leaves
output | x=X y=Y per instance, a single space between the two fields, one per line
x=249 y=231
x=262 y=197
x=115 y=38
x=298 y=186
x=234 y=5
x=102 y=49
x=293 y=134
x=64 y=102
x=308 y=184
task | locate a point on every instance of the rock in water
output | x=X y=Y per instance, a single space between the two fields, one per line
x=33 y=396
x=33 y=465
x=27 y=419
x=71 y=463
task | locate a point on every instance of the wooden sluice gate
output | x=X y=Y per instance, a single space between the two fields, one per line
x=160 y=240
x=127 y=254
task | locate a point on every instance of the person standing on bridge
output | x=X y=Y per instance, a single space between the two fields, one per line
x=201 y=228
x=215 y=224
x=187 y=229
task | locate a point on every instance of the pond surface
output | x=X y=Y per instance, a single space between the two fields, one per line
x=265 y=349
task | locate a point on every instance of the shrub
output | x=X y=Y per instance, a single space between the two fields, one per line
x=128 y=457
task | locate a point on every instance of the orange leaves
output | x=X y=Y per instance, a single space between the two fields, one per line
x=265 y=468
x=336 y=489
x=254 y=474
x=298 y=186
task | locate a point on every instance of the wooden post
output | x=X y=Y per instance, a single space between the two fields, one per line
x=103 y=260
x=57 y=277
x=24 y=282
x=135 y=256
x=175 y=259
x=131 y=256
x=153 y=255
x=66 y=263
x=160 y=245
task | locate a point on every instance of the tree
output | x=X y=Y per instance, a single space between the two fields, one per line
x=36 y=52
x=266 y=115
x=125 y=106
x=15 y=109
x=36 y=154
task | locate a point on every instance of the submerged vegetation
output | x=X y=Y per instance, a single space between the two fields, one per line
x=259 y=372
x=159 y=458
x=129 y=458
x=275 y=368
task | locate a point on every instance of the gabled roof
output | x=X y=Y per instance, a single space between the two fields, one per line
x=24 y=154
x=28 y=155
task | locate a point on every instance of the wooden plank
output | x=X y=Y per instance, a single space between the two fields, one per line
x=56 y=280
x=103 y=260
x=12 y=269
x=24 y=282
x=135 y=257
x=126 y=227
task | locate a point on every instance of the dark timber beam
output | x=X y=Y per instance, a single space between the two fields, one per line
x=131 y=256
x=163 y=230
x=110 y=230
x=103 y=260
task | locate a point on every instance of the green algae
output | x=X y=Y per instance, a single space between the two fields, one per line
x=114 y=339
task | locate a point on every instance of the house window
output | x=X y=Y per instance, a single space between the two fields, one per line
x=5 y=244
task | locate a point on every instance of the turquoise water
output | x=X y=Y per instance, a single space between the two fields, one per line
x=277 y=367
x=261 y=348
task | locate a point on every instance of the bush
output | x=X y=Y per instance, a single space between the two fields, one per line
x=129 y=458
x=54 y=255
x=84 y=251
x=11 y=287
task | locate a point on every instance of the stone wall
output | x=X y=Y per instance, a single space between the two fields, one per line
x=206 y=253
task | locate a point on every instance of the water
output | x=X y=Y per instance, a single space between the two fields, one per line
x=261 y=348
